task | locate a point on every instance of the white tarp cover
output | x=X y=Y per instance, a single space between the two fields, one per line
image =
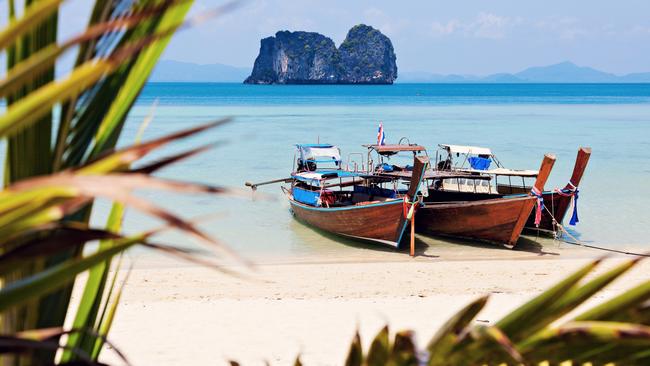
x=321 y=153
x=472 y=150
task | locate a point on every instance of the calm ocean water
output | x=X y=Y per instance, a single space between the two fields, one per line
x=520 y=122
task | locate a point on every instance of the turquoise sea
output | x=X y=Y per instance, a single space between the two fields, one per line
x=520 y=122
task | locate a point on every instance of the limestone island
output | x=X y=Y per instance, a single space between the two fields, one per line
x=366 y=56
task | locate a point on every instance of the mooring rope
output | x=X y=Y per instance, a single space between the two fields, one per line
x=580 y=243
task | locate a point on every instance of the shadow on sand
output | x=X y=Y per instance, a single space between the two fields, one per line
x=424 y=249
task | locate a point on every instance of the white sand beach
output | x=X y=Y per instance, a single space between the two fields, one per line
x=175 y=314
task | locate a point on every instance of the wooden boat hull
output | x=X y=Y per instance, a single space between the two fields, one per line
x=381 y=222
x=498 y=221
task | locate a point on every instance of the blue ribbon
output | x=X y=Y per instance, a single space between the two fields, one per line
x=574 y=218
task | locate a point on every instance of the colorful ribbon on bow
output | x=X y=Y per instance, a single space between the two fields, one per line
x=409 y=208
x=572 y=191
x=540 y=205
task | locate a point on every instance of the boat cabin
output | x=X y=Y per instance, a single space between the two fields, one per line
x=383 y=154
x=480 y=161
x=319 y=180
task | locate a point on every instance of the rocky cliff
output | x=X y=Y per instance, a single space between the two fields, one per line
x=365 y=57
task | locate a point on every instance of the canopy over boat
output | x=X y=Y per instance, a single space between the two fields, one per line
x=509 y=172
x=468 y=150
x=436 y=174
x=319 y=153
x=324 y=175
x=395 y=148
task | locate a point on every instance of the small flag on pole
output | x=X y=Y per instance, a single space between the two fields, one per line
x=381 y=136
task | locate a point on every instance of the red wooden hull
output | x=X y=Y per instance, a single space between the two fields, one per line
x=498 y=221
x=381 y=222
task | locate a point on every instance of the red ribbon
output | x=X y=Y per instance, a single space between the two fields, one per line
x=540 y=205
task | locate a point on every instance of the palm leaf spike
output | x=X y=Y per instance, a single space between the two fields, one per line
x=379 y=352
x=483 y=345
x=578 y=295
x=590 y=341
x=91 y=298
x=355 y=353
x=516 y=324
x=108 y=315
x=619 y=306
x=297 y=362
x=442 y=343
x=122 y=159
x=404 y=352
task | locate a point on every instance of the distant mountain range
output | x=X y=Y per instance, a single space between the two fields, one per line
x=565 y=72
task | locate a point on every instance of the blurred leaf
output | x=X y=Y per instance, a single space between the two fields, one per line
x=622 y=305
x=49 y=280
x=109 y=128
x=355 y=354
x=404 y=352
x=588 y=341
x=56 y=240
x=297 y=362
x=34 y=14
x=449 y=333
x=379 y=352
x=122 y=159
x=526 y=319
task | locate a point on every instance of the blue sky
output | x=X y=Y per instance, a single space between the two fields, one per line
x=464 y=37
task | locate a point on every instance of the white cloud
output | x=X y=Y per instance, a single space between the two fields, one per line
x=444 y=29
x=389 y=25
x=639 y=30
x=484 y=25
x=492 y=26
x=566 y=28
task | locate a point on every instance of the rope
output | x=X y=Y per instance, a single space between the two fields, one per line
x=580 y=243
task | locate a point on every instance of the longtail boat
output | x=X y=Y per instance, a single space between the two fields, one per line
x=495 y=220
x=348 y=203
x=463 y=212
x=477 y=160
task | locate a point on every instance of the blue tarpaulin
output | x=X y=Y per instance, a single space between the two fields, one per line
x=479 y=163
x=305 y=196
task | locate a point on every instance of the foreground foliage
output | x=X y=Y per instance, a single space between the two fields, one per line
x=614 y=332
x=60 y=137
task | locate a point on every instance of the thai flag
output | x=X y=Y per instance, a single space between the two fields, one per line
x=381 y=136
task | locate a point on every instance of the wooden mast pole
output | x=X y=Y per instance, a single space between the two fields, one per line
x=413 y=236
